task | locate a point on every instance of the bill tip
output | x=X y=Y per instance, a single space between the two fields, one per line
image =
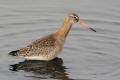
x=93 y=29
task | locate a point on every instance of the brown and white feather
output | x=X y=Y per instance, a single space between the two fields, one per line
x=45 y=48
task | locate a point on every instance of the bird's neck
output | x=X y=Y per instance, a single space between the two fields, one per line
x=65 y=28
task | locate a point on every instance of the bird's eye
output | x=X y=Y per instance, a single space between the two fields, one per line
x=75 y=17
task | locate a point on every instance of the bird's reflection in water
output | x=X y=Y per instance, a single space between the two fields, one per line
x=43 y=69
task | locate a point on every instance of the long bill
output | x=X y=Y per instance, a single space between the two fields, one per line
x=83 y=24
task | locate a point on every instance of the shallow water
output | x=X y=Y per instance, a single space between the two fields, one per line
x=86 y=55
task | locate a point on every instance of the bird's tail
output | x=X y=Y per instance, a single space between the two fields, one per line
x=13 y=53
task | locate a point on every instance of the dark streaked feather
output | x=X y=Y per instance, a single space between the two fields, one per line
x=13 y=53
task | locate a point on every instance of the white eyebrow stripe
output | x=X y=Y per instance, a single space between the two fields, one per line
x=76 y=17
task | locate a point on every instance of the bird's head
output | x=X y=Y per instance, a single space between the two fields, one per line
x=73 y=18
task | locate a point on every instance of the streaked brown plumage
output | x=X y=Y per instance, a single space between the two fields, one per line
x=48 y=47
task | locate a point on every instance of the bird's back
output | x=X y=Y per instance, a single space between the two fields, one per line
x=41 y=49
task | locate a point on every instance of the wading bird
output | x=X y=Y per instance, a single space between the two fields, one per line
x=48 y=47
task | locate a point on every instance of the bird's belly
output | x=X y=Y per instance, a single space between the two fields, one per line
x=48 y=56
x=39 y=58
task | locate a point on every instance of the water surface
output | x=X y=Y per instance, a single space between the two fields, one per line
x=86 y=55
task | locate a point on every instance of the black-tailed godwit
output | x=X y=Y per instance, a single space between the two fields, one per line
x=48 y=47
